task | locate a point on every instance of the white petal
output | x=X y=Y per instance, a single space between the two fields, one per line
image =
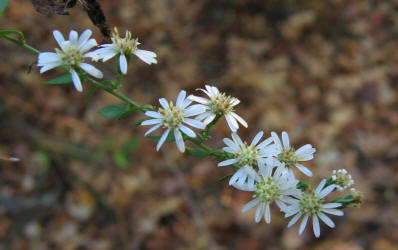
x=164 y=103
x=162 y=139
x=294 y=220
x=333 y=211
x=331 y=205
x=152 y=129
x=285 y=139
x=194 y=123
x=47 y=57
x=179 y=140
x=326 y=219
x=304 y=170
x=194 y=110
x=91 y=70
x=76 y=81
x=233 y=125
x=123 y=64
x=276 y=139
x=250 y=204
x=198 y=99
x=240 y=119
x=257 y=138
x=153 y=114
x=209 y=118
x=145 y=56
x=303 y=224
x=251 y=172
x=259 y=212
x=73 y=37
x=187 y=131
x=84 y=37
x=320 y=186
x=326 y=191
x=227 y=162
x=231 y=144
x=151 y=122
x=180 y=98
x=88 y=45
x=304 y=148
x=237 y=139
x=59 y=38
x=315 y=226
x=267 y=214
x=49 y=66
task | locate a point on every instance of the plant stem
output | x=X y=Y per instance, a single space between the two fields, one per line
x=21 y=43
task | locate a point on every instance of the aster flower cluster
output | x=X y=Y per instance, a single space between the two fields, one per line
x=266 y=167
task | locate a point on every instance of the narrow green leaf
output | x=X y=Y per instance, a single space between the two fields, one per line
x=65 y=79
x=113 y=111
x=170 y=138
x=3 y=5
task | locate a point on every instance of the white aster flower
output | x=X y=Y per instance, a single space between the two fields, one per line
x=289 y=156
x=175 y=118
x=247 y=157
x=269 y=188
x=71 y=54
x=342 y=179
x=124 y=47
x=219 y=104
x=312 y=204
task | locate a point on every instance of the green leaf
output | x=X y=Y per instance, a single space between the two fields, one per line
x=170 y=138
x=65 y=79
x=113 y=111
x=3 y=5
x=121 y=160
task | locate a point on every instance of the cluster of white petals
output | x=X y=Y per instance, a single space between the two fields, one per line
x=219 y=104
x=312 y=204
x=124 y=47
x=175 y=118
x=74 y=51
x=71 y=54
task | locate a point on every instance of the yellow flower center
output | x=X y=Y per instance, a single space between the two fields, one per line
x=70 y=56
x=310 y=203
x=173 y=116
x=289 y=157
x=126 y=45
x=221 y=104
x=247 y=155
x=267 y=190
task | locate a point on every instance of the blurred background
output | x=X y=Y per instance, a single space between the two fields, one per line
x=325 y=71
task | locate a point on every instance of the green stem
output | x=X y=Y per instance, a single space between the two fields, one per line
x=21 y=43
x=205 y=134
x=122 y=97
